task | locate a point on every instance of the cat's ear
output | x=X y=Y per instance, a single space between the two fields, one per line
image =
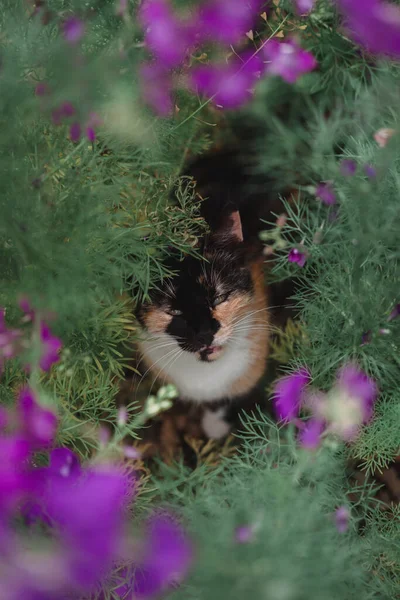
x=232 y=228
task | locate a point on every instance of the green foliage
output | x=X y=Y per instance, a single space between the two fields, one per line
x=288 y=497
x=86 y=226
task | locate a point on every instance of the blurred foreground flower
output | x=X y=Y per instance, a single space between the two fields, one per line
x=229 y=85
x=288 y=60
x=342 y=517
x=226 y=21
x=166 y=36
x=373 y=23
x=74 y=30
x=342 y=411
x=288 y=394
x=171 y=39
x=325 y=193
x=82 y=516
x=304 y=6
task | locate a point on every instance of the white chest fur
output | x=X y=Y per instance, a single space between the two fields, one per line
x=196 y=380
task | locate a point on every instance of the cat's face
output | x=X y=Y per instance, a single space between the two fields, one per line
x=205 y=306
x=201 y=305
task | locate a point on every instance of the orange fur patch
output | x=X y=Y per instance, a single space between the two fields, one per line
x=259 y=338
x=157 y=320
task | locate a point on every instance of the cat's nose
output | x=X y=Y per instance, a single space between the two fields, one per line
x=205 y=336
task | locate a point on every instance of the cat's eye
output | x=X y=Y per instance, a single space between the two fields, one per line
x=220 y=299
x=174 y=312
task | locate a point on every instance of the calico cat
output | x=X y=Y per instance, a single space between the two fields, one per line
x=206 y=330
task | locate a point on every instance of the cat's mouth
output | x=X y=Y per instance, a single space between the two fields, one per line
x=211 y=353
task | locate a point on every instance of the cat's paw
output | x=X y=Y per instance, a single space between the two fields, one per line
x=214 y=425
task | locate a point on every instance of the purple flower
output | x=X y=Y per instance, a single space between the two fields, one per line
x=89 y=516
x=395 y=313
x=325 y=192
x=303 y=7
x=229 y=84
x=342 y=517
x=348 y=167
x=90 y=134
x=297 y=256
x=15 y=482
x=374 y=24
x=93 y=122
x=244 y=534
x=74 y=30
x=165 y=35
x=350 y=403
x=227 y=21
x=310 y=435
x=288 y=394
x=37 y=424
x=156 y=88
x=370 y=171
x=75 y=132
x=288 y=60
x=64 y=463
x=167 y=557
x=50 y=347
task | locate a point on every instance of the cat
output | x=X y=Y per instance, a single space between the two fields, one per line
x=207 y=329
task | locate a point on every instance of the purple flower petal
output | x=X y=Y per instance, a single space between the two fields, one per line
x=310 y=435
x=165 y=36
x=229 y=84
x=356 y=384
x=288 y=60
x=297 y=256
x=38 y=424
x=325 y=193
x=303 y=7
x=50 y=347
x=14 y=477
x=374 y=24
x=75 y=132
x=227 y=21
x=91 y=134
x=370 y=171
x=288 y=395
x=395 y=313
x=167 y=559
x=342 y=517
x=64 y=463
x=348 y=167
x=90 y=518
x=74 y=30
x=244 y=534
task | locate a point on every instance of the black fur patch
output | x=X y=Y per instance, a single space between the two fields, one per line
x=194 y=291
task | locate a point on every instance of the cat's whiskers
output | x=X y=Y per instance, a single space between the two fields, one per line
x=156 y=347
x=249 y=315
x=167 y=366
x=163 y=357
